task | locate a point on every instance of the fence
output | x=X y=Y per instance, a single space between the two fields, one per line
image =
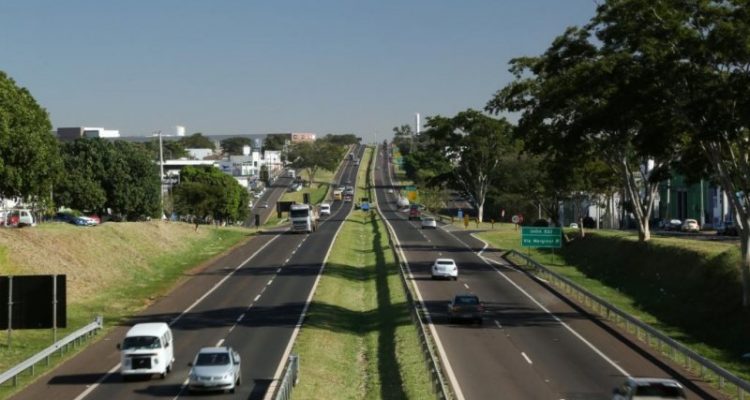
x=61 y=345
x=442 y=389
x=289 y=380
x=677 y=352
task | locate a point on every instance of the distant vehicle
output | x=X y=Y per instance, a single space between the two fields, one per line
x=147 y=349
x=402 y=202
x=465 y=307
x=84 y=221
x=338 y=195
x=304 y=218
x=429 y=222
x=649 y=389
x=727 y=228
x=389 y=191
x=673 y=225
x=690 y=225
x=292 y=173
x=573 y=225
x=415 y=212
x=18 y=218
x=325 y=209
x=262 y=204
x=348 y=197
x=215 y=368
x=444 y=268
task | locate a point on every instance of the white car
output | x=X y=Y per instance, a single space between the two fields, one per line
x=215 y=368
x=649 y=388
x=429 y=222
x=325 y=209
x=445 y=268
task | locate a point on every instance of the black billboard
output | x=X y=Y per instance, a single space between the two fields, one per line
x=32 y=300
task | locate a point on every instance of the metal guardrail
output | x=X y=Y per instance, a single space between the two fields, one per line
x=289 y=380
x=440 y=386
x=61 y=345
x=677 y=352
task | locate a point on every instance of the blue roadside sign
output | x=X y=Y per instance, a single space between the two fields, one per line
x=460 y=213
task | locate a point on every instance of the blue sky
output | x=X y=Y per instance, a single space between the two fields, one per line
x=226 y=67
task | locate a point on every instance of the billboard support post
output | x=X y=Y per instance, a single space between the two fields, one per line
x=54 y=307
x=10 y=309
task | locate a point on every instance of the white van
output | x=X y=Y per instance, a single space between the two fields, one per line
x=325 y=209
x=147 y=349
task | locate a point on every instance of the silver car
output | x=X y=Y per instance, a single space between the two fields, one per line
x=215 y=368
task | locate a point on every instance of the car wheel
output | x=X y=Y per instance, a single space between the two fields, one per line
x=480 y=321
x=163 y=375
x=239 y=380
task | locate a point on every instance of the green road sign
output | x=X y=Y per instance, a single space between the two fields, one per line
x=532 y=236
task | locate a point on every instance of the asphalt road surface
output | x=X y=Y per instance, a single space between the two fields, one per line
x=251 y=298
x=533 y=343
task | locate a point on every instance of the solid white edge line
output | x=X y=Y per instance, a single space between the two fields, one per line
x=528 y=360
x=177 y=318
x=277 y=375
x=438 y=344
x=561 y=322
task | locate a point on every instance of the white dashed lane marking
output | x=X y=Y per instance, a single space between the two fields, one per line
x=497 y=323
x=528 y=360
x=466 y=286
x=256 y=298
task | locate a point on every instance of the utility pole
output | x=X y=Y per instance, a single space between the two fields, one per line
x=161 y=175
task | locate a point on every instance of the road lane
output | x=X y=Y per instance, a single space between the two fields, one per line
x=265 y=290
x=521 y=351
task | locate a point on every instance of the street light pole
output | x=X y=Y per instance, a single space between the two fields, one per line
x=161 y=175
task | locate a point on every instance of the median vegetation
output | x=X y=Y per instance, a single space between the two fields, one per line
x=688 y=289
x=113 y=270
x=358 y=340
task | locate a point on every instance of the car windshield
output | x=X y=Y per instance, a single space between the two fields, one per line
x=466 y=300
x=660 y=390
x=212 y=359
x=141 y=342
x=297 y=213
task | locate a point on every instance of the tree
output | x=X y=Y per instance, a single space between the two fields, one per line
x=235 y=145
x=403 y=138
x=208 y=192
x=80 y=187
x=704 y=58
x=580 y=101
x=131 y=181
x=173 y=149
x=342 y=140
x=197 y=141
x=313 y=155
x=276 y=142
x=468 y=150
x=29 y=154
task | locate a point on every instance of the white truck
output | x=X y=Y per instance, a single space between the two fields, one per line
x=304 y=218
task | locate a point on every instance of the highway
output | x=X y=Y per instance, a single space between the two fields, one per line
x=533 y=343
x=252 y=299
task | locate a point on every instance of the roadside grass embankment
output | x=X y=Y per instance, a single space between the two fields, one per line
x=358 y=340
x=113 y=270
x=688 y=289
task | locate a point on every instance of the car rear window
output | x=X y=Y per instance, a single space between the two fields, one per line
x=445 y=262
x=660 y=390
x=466 y=300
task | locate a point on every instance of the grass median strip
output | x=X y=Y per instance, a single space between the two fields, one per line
x=358 y=340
